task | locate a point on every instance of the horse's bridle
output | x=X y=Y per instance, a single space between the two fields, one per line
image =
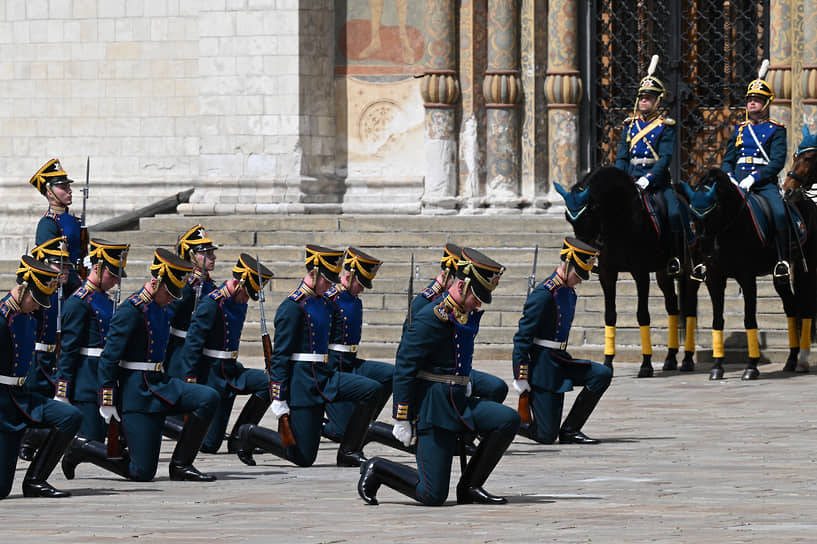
x=811 y=174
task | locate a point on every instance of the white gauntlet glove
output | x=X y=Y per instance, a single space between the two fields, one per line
x=521 y=386
x=108 y=412
x=469 y=389
x=63 y=399
x=280 y=408
x=402 y=431
x=747 y=182
x=642 y=182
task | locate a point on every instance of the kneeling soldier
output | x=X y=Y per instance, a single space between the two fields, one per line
x=20 y=408
x=542 y=367
x=431 y=386
x=131 y=379
x=301 y=382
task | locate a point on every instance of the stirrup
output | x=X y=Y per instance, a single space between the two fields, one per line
x=699 y=272
x=782 y=271
x=674 y=267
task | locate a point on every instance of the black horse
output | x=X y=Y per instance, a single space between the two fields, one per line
x=731 y=248
x=607 y=210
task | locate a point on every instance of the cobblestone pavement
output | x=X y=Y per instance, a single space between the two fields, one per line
x=684 y=459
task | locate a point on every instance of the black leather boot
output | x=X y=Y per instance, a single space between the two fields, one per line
x=252 y=413
x=46 y=458
x=181 y=463
x=781 y=274
x=172 y=428
x=378 y=471
x=488 y=454
x=381 y=432
x=33 y=438
x=350 y=452
x=254 y=436
x=571 y=428
x=84 y=450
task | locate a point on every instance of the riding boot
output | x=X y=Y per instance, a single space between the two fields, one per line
x=782 y=270
x=378 y=471
x=84 y=450
x=252 y=413
x=584 y=405
x=173 y=428
x=488 y=454
x=32 y=439
x=676 y=258
x=350 y=452
x=46 y=458
x=181 y=463
x=252 y=436
x=381 y=432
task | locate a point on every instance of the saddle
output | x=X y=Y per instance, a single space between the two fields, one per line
x=762 y=218
x=656 y=208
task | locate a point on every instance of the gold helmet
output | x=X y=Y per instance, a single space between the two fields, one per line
x=759 y=88
x=651 y=85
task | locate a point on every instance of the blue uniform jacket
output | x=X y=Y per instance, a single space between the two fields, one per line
x=182 y=311
x=439 y=340
x=57 y=223
x=302 y=324
x=41 y=374
x=347 y=325
x=138 y=333
x=86 y=318
x=771 y=136
x=548 y=315
x=661 y=139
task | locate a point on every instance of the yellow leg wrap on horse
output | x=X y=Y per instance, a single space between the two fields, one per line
x=793 y=340
x=672 y=333
x=646 y=343
x=805 y=334
x=609 y=340
x=689 y=344
x=717 y=344
x=751 y=340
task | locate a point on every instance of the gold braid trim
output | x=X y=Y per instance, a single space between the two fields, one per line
x=165 y=270
x=316 y=259
x=30 y=276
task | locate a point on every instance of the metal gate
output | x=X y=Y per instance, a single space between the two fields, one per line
x=710 y=50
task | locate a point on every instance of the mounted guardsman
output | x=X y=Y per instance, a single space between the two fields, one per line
x=86 y=320
x=132 y=383
x=359 y=269
x=645 y=154
x=41 y=374
x=432 y=387
x=55 y=185
x=210 y=353
x=755 y=154
x=541 y=365
x=301 y=381
x=36 y=282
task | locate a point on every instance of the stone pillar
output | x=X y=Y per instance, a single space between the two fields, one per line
x=533 y=42
x=563 y=92
x=808 y=78
x=501 y=88
x=780 y=60
x=440 y=90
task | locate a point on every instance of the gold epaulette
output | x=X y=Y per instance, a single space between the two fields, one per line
x=629 y=120
x=669 y=121
x=776 y=122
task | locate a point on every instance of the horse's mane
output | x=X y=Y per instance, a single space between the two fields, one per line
x=609 y=183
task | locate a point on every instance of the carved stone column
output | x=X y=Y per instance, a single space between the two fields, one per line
x=441 y=92
x=501 y=88
x=780 y=61
x=563 y=92
x=808 y=79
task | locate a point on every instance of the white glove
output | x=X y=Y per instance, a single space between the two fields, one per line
x=642 y=182
x=108 y=412
x=747 y=182
x=280 y=408
x=86 y=263
x=521 y=386
x=468 y=389
x=63 y=399
x=402 y=431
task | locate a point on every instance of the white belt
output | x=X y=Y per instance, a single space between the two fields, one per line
x=47 y=348
x=345 y=348
x=310 y=357
x=178 y=332
x=450 y=379
x=147 y=367
x=91 y=352
x=643 y=162
x=13 y=380
x=552 y=344
x=218 y=354
x=752 y=160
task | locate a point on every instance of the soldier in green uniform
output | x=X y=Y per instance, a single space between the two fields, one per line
x=36 y=282
x=431 y=387
x=301 y=382
x=86 y=320
x=132 y=382
x=542 y=367
x=210 y=353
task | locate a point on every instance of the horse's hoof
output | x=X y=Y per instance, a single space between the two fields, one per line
x=716 y=374
x=670 y=364
x=645 y=372
x=790 y=366
x=750 y=374
x=687 y=365
x=802 y=366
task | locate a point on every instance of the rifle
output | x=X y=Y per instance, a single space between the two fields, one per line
x=83 y=228
x=58 y=337
x=115 y=441
x=200 y=285
x=524 y=398
x=410 y=288
x=284 y=425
